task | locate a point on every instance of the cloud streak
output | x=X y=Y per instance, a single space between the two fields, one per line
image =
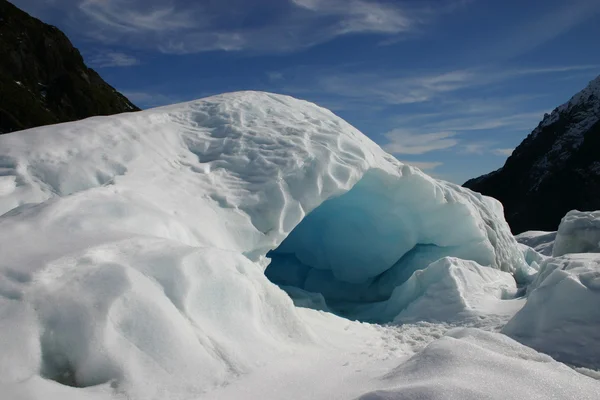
x=113 y=59
x=549 y=24
x=401 y=141
x=424 y=165
x=265 y=26
x=410 y=88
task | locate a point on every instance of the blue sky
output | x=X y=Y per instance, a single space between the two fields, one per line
x=449 y=85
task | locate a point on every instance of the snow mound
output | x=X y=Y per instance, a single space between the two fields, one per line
x=561 y=316
x=448 y=290
x=578 y=232
x=134 y=246
x=472 y=364
x=541 y=241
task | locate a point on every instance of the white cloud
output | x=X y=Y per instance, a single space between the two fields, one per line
x=401 y=141
x=401 y=89
x=549 y=23
x=410 y=88
x=503 y=152
x=356 y=16
x=123 y=16
x=486 y=122
x=424 y=165
x=113 y=59
x=274 y=76
x=267 y=26
x=475 y=147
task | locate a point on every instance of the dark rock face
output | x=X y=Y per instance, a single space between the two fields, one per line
x=43 y=79
x=554 y=170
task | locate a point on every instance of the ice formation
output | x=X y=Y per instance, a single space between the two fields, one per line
x=540 y=241
x=447 y=290
x=561 y=316
x=134 y=250
x=578 y=232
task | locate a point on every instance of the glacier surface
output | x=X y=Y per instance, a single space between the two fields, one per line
x=561 y=316
x=578 y=232
x=139 y=251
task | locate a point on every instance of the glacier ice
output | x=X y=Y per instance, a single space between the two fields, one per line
x=358 y=247
x=561 y=316
x=134 y=247
x=578 y=232
x=541 y=241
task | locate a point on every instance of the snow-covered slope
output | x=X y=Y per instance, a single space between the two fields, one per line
x=559 y=160
x=134 y=251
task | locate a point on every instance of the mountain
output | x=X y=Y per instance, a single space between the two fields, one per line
x=554 y=170
x=43 y=79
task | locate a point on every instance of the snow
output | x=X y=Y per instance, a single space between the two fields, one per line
x=448 y=290
x=561 y=316
x=134 y=251
x=540 y=241
x=578 y=232
x=590 y=95
x=578 y=116
x=473 y=364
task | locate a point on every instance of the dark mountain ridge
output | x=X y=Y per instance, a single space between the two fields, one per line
x=43 y=79
x=554 y=170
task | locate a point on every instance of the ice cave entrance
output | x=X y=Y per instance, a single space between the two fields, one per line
x=354 y=249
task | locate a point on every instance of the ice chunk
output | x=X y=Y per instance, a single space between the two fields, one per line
x=540 y=241
x=448 y=290
x=578 y=232
x=561 y=316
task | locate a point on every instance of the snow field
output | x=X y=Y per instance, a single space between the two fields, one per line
x=134 y=250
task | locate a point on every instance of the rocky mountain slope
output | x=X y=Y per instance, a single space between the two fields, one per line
x=43 y=79
x=554 y=170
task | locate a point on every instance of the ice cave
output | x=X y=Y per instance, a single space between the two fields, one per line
x=355 y=249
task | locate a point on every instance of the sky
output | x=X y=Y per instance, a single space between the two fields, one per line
x=451 y=86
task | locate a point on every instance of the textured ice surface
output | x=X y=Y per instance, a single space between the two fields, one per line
x=447 y=290
x=540 y=241
x=470 y=364
x=133 y=249
x=561 y=316
x=578 y=232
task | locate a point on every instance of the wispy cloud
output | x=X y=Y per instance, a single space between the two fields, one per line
x=274 y=76
x=424 y=165
x=267 y=26
x=549 y=24
x=401 y=141
x=486 y=122
x=357 y=16
x=130 y=17
x=409 y=87
x=503 y=152
x=113 y=59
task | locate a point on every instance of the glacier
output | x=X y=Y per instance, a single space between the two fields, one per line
x=578 y=232
x=189 y=251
